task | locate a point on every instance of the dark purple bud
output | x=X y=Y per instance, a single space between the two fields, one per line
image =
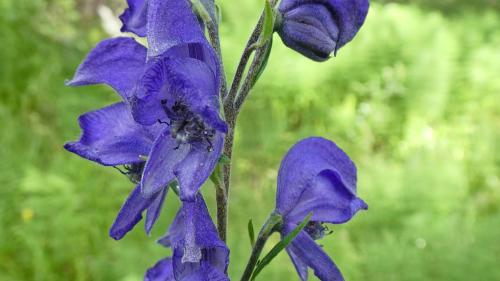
x=317 y=28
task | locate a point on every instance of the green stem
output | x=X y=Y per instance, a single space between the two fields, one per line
x=230 y=115
x=252 y=72
x=272 y=224
x=245 y=57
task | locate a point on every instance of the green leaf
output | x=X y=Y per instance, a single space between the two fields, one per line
x=280 y=246
x=268 y=25
x=224 y=159
x=174 y=185
x=263 y=65
x=251 y=233
x=216 y=176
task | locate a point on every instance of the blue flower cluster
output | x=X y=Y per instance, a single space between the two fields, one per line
x=168 y=131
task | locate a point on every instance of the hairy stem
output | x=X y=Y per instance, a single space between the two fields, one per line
x=230 y=115
x=271 y=225
x=252 y=72
x=223 y=192
x=245 y=57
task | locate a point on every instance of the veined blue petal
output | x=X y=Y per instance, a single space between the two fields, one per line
x=154 y=209
x=171 y=23
x=198 y=251
x=130 y=213
x=197 y=167
x=305 y=252
x=328 y=199
x=111 y=137
x=117 y=62
x=170 y=80
x=300 y=168
x=164 y=156
x=161 y=271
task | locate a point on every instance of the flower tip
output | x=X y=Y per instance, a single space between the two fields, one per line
x=115 y=234
x=68 y=146
x=358 y=204
x=69 y=82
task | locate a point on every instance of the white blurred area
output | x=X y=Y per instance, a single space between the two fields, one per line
x=109 y=20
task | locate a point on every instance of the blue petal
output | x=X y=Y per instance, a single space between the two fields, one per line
x=300 y=266
x=199 y=51
x=328 y=199
x=111 y=137
x=130 y=213
x=154 y=209
x=161 y=271
x=198 y=165
x=198 y=251
x=164 y=156
x=117 y=62
x=171 y=23
x=176 y=79
x=304 y=251
x=303 y=163
x=134 y=18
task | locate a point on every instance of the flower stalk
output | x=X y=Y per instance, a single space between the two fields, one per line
x=230 y=112
x=273 y=224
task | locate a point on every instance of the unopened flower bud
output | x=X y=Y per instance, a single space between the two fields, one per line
x=317 y=28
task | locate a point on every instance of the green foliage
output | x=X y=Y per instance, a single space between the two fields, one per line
x=413 y=99
x=251 y=233
x=280 y=246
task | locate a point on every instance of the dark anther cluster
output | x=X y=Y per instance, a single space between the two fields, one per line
x=187 y=127
x=133 y=171
x=317 y=230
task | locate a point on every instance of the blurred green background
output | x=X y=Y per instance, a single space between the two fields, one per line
x=414 y=100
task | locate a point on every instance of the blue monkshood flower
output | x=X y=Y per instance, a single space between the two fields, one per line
x=176 y=85
x=136 y=17
x=317 y=28
x=315 y=176
x=198 y=253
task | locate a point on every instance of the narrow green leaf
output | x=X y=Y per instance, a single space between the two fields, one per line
x=263 y=65
x=216 y=176
x=280 y=246
x=174 y=185
x=251 y=233
x=224 y=159
x=268 y=26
